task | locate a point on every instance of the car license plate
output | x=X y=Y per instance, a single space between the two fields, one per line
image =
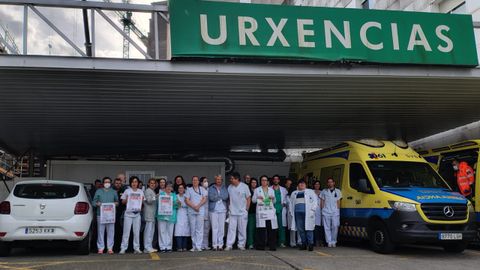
x=450 y=236
x=39 y=230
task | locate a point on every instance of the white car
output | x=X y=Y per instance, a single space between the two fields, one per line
x=40 y=211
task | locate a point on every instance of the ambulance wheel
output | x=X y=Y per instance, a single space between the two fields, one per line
x=4 y=249
x=457 y=247
x=380 y=240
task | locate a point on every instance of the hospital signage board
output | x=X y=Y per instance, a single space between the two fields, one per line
x=238 y=30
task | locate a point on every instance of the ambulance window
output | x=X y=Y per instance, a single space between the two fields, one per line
x=335 y=172
x=356 y=173
x=445 y=169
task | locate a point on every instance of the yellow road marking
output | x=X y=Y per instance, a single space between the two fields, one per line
x=154 y=256
x=323 y=254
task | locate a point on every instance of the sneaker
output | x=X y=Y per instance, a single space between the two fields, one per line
x=250 y=247
x=282 y=246
x=241 y=248
x=334 y=245
x=193 y=250
x=169 y=250
x=310 y=248
x=122 y=252
x=100 y=251
x=228 y=248
x=199 y=249
x=184 y=249
x=110 y=251
x=220 y=248
x=137 y=251
x=330 y=245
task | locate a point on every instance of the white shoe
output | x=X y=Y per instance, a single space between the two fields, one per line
x=193 y=250
x=228 y=248
x=330 y=245
x=334 y=245
x=122 y=252
x=282 y=245
x=137 y=251
x=241 y=248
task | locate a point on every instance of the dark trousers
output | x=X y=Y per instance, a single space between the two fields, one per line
x=319 y=235
x=266 y=233
x=181 y=242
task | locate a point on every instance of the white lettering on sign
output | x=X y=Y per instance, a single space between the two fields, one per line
x=248 y=34
x=277 y=32
x=331 y=28
x=302 y=32
x=245 y=32
x=447 y=40
x=396 y=44
x=413 y=41
x=222 y=37
x=364 y=38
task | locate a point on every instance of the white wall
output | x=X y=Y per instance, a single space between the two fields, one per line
x=86 y=171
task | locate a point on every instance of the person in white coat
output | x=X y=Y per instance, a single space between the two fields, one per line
x=206 y=222
x=182 y=227
x=319 y=231
x=133 y=199
x=266 y=218
x=281 y=209
x=218 y=199
x=304 y=203
x=330 y=204
x=195 y=198
x=240 y=199
x=149 y=212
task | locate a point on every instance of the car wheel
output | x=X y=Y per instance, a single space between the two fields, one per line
x=84 y=246
x=456 y=247
x=4 y=249
x=380 y=240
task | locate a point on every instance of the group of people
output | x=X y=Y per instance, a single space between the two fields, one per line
x=253 y=213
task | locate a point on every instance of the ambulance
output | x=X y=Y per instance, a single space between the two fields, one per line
x=392 y=196
x=441 y=159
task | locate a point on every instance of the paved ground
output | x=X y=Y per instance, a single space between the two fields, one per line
x=353 y=256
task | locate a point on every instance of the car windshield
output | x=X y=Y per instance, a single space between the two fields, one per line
x=405 y=174
x=45 y=191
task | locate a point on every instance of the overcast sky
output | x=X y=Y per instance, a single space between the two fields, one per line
x=43 y=40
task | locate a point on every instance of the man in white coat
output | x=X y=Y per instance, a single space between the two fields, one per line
x=303 y=203
x=330 y=204
x=239 y=195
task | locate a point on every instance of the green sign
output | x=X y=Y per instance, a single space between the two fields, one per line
x=219 y=29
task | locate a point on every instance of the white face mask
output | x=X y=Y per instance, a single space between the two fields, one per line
x=205 y=184
x=107 y=185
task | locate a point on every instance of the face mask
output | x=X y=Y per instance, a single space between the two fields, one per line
x=205 y=184
x=107 y=185
x=455 y=167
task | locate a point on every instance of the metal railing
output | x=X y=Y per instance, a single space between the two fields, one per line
x=95 y=8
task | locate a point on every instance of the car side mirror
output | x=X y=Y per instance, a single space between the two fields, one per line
x=363 y=186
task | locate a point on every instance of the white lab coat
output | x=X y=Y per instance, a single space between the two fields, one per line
x=311 y=204
x=182 y=227
x=318 y=213
x=259 y=192
x=284 y=194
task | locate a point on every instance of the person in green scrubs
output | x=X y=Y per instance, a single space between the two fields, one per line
x=280 y=209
